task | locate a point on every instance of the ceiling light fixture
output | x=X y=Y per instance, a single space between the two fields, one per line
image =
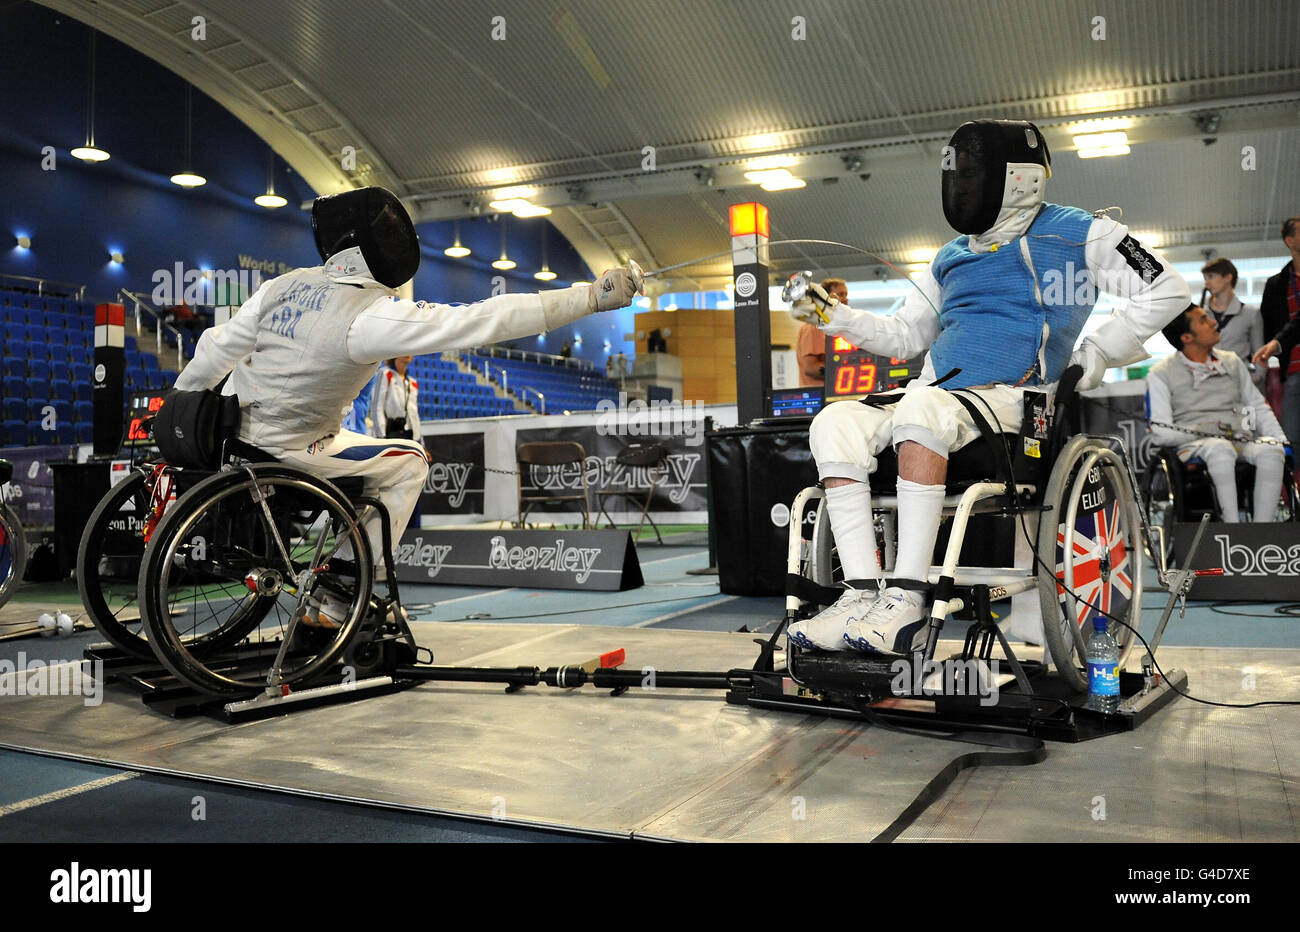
x=1100 y=145
x=505 y=263
x=270 y=199
x=89 y=152
x=187 y=178
x=457 y=251
x=544 y=274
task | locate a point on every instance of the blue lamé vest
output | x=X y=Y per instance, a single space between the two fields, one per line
x=991 y=319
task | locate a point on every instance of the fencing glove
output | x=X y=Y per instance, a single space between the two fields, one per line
x=614 y=289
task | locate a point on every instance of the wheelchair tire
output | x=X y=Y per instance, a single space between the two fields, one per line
x=1162 y=499
x=109 y=558
x=1289 y=507
x=216 y=547
x=13 y=552
x=824 y=561
x=1090 y=494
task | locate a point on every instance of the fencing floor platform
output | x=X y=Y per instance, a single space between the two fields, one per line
x=682 y=764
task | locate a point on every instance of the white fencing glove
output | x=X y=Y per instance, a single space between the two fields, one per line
x=1094 y=366
x=814 y=307
x=614 y=289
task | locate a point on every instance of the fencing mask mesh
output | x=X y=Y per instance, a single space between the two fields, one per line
x=374 y=220
x=975 y=169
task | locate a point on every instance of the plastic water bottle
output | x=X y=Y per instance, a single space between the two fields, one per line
x=1103 y=669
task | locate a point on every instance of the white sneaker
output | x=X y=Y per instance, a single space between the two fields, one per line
x=895 y=623
x=825 y=631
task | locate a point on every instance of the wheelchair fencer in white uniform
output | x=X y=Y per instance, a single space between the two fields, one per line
x=999 y=311
x=295 y=355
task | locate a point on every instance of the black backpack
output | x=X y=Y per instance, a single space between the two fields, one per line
x=190 y=427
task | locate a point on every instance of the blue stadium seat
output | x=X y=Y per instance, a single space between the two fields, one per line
x=61 y=390
x=85 y=432
x=36 y=435
x=129 y=343
x=169 y=377
x=133 y=360
x=15 y=433
x=84 y=411
x=15 y=367
x=148 y=361
x=81 y=372
x=38 y=371
x=15 y=409
x=65 y=433
x=15 y=387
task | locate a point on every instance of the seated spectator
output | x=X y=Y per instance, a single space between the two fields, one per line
x=1201 y=390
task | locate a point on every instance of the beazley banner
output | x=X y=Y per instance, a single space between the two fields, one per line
x=551 y=559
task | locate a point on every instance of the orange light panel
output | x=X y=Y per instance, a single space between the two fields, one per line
x=842 y=345
x=748 y=219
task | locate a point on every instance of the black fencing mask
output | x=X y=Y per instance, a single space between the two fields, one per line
x=975 y=170
x=374 y=220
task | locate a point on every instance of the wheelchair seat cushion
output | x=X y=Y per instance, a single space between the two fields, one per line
x=975 y=462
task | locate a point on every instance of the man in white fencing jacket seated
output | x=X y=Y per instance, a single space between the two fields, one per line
x=1002 y=304
x=305 y=343
x=1203 y=390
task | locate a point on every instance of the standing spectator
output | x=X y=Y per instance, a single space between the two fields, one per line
x=1241 y=328
x=566 y=351
x=1280 y=308
x=620 y=366
x=609 y=367
x=810 y=346
x=393 y=407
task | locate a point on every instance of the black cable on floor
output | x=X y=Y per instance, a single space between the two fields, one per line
x=1018 y=751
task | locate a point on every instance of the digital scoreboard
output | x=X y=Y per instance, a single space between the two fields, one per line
x=852 y=372
x=139 y=407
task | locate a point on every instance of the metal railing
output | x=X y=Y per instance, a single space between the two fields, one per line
x=541 y=409
x=505 y=375
x=47 y=286
x=159 y=326
x=505 y=352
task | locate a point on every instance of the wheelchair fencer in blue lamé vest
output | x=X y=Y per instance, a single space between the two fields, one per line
x=992 y=319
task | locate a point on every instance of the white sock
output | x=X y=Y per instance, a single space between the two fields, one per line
x=849 y=507
x=919 y=510
x=1268 y=483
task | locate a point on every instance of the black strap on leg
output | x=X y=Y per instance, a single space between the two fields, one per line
x=1000 y=458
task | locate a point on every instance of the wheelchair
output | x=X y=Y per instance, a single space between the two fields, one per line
x=224 y=557
x=1074 y=514
x=13 y=542
x=1174 y=492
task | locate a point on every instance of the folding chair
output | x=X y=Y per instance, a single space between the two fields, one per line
x=645 y=468
x=551 y=454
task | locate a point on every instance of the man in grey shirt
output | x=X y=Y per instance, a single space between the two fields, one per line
x=1204 y=390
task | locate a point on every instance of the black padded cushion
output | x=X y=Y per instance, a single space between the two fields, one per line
x=973 y=463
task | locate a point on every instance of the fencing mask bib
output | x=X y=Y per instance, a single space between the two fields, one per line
x=994 y=175
x=373 y=220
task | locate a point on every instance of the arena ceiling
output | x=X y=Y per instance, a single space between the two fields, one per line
x=569 y=95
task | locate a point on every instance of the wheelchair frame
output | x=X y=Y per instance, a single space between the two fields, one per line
x=236 y=661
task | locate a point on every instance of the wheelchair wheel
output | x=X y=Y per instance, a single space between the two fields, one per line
x=243 y=551
x=1288 y=508
x=1093 y=548
x=13 y=552
x=824 y=561
x=108 y=568
x=1162 y=497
